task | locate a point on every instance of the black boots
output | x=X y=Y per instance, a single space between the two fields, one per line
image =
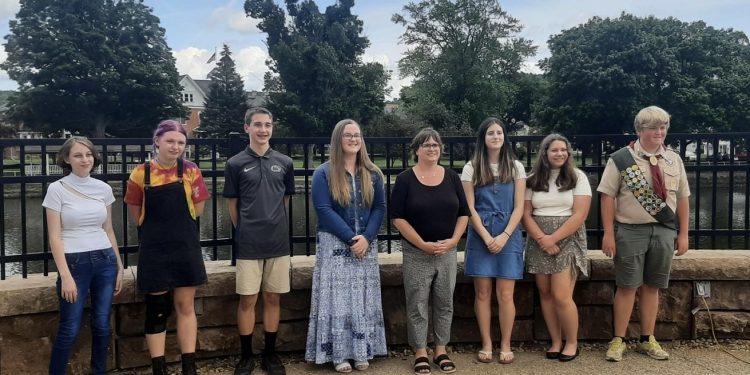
x=159 y=365
x=188 y=364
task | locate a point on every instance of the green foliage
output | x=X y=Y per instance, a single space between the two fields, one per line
x=465 y=59
x=392 y=125
x=603 y=72
x=317 y=77
x=226 y=103
x=530 y=92
x=90 y=66
x=4 y=95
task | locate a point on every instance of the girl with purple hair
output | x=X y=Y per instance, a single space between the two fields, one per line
x=165 y=196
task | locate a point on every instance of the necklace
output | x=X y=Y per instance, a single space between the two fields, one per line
x=422 y=176
x=165 y=166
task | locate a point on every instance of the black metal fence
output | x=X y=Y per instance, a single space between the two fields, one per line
x=717 y=167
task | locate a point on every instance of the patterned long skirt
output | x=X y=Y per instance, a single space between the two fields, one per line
x=572 y=253
x=346 y=313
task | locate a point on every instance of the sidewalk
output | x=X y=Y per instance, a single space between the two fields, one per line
x=683 y=361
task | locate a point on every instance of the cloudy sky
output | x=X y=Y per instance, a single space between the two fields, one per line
x=195 y=28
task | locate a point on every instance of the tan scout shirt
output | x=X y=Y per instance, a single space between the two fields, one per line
x=627 y=208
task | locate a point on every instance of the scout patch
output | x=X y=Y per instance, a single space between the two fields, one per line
x=634 y=178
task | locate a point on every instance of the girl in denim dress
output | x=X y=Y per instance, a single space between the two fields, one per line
x=494 y=182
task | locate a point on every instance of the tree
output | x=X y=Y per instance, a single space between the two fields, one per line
x=465 y=59
x=602 y=72
x=530 y=91
x=90 y=66
x=316 y=76
x=226 y=103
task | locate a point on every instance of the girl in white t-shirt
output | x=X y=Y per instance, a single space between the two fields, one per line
x=557 y=201
x=494 y=183
x=83 y=244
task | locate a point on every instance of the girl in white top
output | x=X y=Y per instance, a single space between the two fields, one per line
x=557 y=202
x=494 y=183
x=84 y=247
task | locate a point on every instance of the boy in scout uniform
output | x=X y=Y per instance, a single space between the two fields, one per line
x=644 y=202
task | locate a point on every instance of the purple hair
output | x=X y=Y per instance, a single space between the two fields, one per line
x=167 y=126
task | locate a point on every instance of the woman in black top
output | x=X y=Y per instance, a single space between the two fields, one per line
x=429 y=209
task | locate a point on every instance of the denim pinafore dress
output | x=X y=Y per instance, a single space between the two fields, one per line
x=494 y=205
x=169 y=251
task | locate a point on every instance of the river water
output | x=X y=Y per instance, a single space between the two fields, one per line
x=34 y=230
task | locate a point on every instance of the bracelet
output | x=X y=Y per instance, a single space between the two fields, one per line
x=506 y=233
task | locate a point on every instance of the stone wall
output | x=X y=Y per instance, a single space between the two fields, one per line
x=28 y=311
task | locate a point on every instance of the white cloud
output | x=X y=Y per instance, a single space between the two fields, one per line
x=531 y=66
x=382 y=58
x=249 y=61
x=396 y=84
x=251 y=65
x=8 y=8
x=192 y=61
x=232 y=15
x=5 y=82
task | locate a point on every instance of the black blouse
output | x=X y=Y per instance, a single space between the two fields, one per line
x=431 y=210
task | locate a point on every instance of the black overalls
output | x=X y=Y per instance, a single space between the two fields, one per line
x=170 y=251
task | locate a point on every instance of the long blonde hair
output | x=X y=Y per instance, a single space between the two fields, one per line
x=337 y=182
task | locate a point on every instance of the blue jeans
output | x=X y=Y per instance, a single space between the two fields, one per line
x=95 y=273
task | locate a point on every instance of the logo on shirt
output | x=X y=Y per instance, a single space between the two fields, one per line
x=249 y=169
x=275 y=168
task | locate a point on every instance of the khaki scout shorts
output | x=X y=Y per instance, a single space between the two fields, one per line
x=271 y=273
x=644 y=255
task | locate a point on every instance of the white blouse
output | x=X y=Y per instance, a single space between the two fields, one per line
x=554 y=202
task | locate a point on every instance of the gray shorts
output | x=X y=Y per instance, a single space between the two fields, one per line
x=644 y=254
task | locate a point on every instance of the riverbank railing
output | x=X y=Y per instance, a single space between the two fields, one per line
x=716 y=164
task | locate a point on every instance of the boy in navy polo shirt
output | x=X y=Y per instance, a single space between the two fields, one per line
x=259 y=182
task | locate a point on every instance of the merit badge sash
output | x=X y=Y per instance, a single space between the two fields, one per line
x=633 y=176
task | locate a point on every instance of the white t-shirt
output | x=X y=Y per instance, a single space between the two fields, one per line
x=82 y=213
x=554 y=202
x=468 y=172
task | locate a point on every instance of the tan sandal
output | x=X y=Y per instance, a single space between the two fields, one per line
x=484 y=356
x=361 y=365
x=506 y=358
x=343 y=367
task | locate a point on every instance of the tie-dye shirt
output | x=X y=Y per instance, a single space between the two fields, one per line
x=195 y=187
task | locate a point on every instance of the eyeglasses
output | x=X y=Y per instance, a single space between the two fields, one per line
x=429 y=145
x=662 y=128
x=351 y=137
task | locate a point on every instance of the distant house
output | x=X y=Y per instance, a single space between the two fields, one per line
x=707 y=150
x=194 y=94
x=391 y=107
x=522 y=128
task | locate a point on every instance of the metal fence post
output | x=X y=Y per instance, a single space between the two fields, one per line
x=236 y=143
